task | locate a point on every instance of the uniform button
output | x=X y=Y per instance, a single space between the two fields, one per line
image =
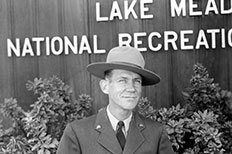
x=98 y=127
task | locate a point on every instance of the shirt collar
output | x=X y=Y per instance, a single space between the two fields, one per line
x=114 y=121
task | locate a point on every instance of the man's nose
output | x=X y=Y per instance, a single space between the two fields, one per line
x=131 y=86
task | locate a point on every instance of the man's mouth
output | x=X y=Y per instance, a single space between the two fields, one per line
x=130 y=97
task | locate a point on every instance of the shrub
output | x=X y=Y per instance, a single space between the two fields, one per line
x=40 y=129
x=204 y=124
x=204 y=94
x=197 y=133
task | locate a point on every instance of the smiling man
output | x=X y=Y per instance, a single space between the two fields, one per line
x=117 y=129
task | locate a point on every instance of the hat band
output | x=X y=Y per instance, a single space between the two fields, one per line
x=125 y=63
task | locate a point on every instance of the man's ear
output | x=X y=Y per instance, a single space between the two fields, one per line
x=104 y=85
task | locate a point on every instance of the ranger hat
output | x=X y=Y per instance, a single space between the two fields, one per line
x=126 y=58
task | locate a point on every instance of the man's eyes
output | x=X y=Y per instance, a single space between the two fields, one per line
x=122 y=80
x=137 y=81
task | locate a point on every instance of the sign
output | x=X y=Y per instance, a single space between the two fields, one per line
x=208 y=38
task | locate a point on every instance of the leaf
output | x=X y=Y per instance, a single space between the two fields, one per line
x=43 y=134
x=41 y=151
x=47 y=152
x=185 y=94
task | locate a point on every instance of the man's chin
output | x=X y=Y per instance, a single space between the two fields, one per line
x=130 y=105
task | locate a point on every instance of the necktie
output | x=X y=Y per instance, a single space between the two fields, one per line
x=120 y=135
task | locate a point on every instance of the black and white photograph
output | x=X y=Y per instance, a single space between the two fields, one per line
x=115 y=76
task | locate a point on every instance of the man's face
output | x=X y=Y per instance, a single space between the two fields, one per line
x=124 y=89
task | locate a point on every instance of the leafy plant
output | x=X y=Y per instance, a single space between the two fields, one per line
x=39 y=130
x=173 y=118
x=204 y=124
x=204 y=94
x=194 y=134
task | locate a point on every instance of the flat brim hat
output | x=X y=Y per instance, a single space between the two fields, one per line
x=126 y=58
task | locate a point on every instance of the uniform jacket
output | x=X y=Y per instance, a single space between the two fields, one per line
x=95 y=135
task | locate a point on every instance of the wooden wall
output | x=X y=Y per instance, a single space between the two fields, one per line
x=48 y=18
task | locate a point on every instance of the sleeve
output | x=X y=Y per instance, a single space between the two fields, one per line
x=69 y=143
x=165 y=146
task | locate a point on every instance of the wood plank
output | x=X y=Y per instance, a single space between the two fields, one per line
x=76 y=24
x=6 y=78
x=104 y=31
x=228 y=57
x=25 y=68
x=215 y=59
x=158 y=61
x=48 y=25
x=182 y=61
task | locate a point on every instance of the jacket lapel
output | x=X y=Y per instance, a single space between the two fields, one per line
x=106 y=137
x=135 y=137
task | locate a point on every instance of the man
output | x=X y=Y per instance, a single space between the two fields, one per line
x=123 y=75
